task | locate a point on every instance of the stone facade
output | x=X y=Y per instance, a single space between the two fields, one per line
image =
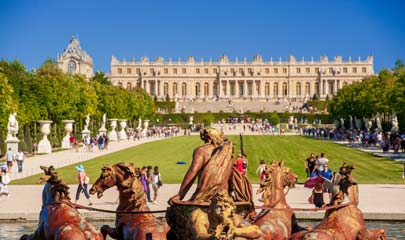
x=294 y=79
x=74 y=60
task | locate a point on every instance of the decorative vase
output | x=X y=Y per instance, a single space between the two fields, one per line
x=112 y=135
x=44 y=145
x=68 y=129
x=123 y=134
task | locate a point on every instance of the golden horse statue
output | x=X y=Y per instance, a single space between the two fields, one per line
x=345 y=220
x=132 y=198
x=277 y=220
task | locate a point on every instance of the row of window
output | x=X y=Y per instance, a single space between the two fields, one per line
x=330 y=70
x=330 y=87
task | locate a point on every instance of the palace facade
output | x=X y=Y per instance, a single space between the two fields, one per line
x=294 y=79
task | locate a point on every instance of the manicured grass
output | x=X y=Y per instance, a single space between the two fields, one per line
x=293 y=149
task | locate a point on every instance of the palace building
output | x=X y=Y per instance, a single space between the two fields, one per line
x=257 y=80
x=74 y=60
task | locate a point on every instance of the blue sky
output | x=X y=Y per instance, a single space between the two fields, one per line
x=33 y=31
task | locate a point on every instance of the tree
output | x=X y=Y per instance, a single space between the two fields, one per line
x=101 y=78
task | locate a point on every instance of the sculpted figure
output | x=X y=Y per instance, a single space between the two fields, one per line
x=394 y=122
x=12 y=125
x=378 y=121
x=104 y=120
x=87 y=121
x=220 y=221
x=351 y=121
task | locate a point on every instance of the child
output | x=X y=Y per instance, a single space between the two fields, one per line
x=318 y=195
x=5 y=179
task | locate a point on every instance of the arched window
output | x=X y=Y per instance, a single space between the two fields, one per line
x=129 y=86
x=206 y=89
x=308 y=89
x=184 y=89
x=267 y=89
x=120 y=84
x=232 y=85
x=250 y=88
x=275 y=90
x=71 y=68
x=317 y=89
x=344 y=84
x=175 y=91
x=165 y=89
x=197 y=89
x=215 y=89
x=285 y=90
x=298 y=89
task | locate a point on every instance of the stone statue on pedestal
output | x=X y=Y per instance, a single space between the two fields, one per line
x=394 y=122
x=12 y=127
x=87 y=121
x=104 y=120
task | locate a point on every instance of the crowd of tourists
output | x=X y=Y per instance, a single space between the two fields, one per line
x=319 y=177
x=386 y=141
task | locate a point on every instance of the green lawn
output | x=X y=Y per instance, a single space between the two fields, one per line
x=292 y=149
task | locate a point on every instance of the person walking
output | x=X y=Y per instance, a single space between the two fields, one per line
x=83 y=183
x=4 y=181
x=261 y=169
x=156 y=183
x=10 y=157
x=149 y=181
x=20 y=160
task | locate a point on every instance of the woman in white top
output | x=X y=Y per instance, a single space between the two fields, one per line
x=5 y=180
x=156 y=183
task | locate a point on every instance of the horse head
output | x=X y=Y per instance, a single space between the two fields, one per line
x=106 y=180
x=278 y=176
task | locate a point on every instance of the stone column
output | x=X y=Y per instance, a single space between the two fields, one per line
x=68 y=129
x=112 y=135
x=228 y=91
x=335 y=87
x=123 y=134
x=220 y=88
x=44 y=145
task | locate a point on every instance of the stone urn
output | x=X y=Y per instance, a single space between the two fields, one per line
x=145 y=127
x=68 y=127
x=44 y=145
x=123 y=134
x=112 y=135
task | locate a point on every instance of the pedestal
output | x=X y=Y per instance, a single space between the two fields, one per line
x=102 y=131
x=13 y=144
x=85 y=133
x=68 y=129
x=44 y=145
x=123 y=134
x=112 y=135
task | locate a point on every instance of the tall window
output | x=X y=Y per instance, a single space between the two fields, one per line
x=345 y=70
x=166 y=71
x=267 y=70
x=184 y=71
x=250 y=88
x=129 y=86
x=120 y=84
x=119 y=70
x=354 y=70
x=298 y=70
x=284 y=70
x=165 y=89
x=307 y=70
x=330 y=70
x=215 y=70
x=206 y=70
x=128 y=70
x=138 y=71
x=241 y=92
x=317 y=89
x=197 y=70
x=232 y=85
x=197 y=89
x=71 y=67
x=285 y=90
x=363 y=70
x=275 y=89
x=267 y=89
x=307 y=89
x=298 y=89
x=317 y=70
x=206 y=89
x=276 y=70
x=174 y=70
x=175 y=89
x=184 y=89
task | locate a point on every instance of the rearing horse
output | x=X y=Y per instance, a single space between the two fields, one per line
x=58 y=218
x=345 y=221
x=278 y=220
x=131 y=199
